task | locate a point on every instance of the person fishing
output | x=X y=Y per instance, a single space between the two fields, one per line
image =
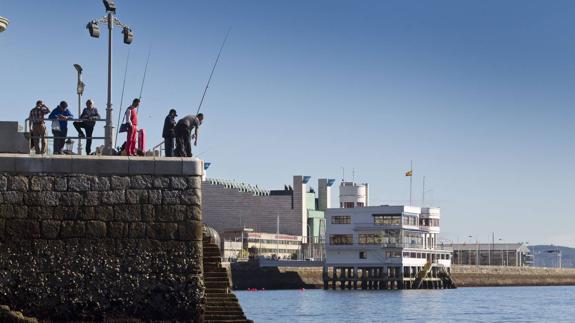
x=169 y=132
x=184 y=134
x=132 y=121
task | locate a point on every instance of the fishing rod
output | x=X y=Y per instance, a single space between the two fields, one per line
x=122 y=97
x=213 y=69
x=145 y=72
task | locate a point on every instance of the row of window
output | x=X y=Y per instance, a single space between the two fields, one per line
x=405 y=238
x=429 y=222
x=421 y=255
x=390 y=219
x=280 y=242
x=350 y=205
x=341 y=219
x=397 y=254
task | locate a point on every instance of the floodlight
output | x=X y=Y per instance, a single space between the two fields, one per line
x=93 y=29
x=207 y=165
x=110 y=5
x=128 y=35
x=306 y=179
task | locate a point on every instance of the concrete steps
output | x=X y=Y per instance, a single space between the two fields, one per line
x=222 y=306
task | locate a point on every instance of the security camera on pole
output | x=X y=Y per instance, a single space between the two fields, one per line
x=94 y=29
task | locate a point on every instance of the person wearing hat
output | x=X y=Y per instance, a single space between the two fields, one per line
x=59 y=117
x=169 y=132
x=88 y=117
x=38 y=127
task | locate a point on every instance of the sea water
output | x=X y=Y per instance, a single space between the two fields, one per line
x=481 y=304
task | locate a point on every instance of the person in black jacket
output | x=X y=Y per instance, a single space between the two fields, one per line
x=169 y=132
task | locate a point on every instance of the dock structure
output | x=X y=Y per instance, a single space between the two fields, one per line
x=385 y=247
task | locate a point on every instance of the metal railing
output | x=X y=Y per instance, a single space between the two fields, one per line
x=49 y=139
x=158 y=148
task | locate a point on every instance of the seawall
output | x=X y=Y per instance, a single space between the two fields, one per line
x=245 y=276
x=101 y=238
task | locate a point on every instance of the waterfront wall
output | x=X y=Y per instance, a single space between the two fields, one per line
x=245 y=275
x=88 y=245
x=474 y=276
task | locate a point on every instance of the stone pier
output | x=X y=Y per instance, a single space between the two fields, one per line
x=101 y=238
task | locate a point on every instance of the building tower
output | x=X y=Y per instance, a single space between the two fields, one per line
x=353 y=195
x=324 y=193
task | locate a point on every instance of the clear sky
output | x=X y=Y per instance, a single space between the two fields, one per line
x=479 y=94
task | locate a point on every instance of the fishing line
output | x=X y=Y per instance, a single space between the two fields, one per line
x=122 y=98
x=213 y=69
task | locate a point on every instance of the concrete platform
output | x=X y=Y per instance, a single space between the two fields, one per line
x=100 y=165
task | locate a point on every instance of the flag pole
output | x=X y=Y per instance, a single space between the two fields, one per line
x=410 y=182
x=423 y=193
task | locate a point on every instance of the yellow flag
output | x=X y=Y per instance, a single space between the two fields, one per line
x=409 y=173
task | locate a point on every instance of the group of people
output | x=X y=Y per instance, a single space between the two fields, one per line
x=177 y=134
x=180 y=133
x=59 y=117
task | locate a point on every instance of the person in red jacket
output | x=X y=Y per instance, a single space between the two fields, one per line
x=132 y=121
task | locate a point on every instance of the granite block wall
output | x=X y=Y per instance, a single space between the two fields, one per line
x=95 y=247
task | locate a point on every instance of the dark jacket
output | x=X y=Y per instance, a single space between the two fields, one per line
x=169 y=127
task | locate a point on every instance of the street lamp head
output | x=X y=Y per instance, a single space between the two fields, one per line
x=128 y=35
x=78 y=68
x=80 y=89
x=93 y=29
x=110 y=5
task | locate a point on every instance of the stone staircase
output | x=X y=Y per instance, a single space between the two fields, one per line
x=221 y=304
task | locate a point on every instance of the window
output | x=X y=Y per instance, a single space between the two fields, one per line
x=370 y=238
x=362 y=255
x=341 y=219
x=360 y=204
x=341 y=239
x=348 y=205
x=387 y=219
x=393 y=254
x=410 y=220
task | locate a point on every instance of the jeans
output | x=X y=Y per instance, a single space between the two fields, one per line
x=183 y=147
x=169 y=146
x=59 y=140
x=89 y=130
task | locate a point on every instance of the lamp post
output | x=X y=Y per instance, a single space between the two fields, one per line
x=93 y=28
x=80 y=91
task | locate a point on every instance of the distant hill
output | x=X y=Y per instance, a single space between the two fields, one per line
x=545 y=256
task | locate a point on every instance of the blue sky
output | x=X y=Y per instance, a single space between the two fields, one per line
x=478 y=94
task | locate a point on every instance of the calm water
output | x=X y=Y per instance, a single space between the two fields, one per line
x=500 y=304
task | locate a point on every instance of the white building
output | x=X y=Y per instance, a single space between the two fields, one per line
x=282 y=246
x=353 y=195
x=385 y=246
